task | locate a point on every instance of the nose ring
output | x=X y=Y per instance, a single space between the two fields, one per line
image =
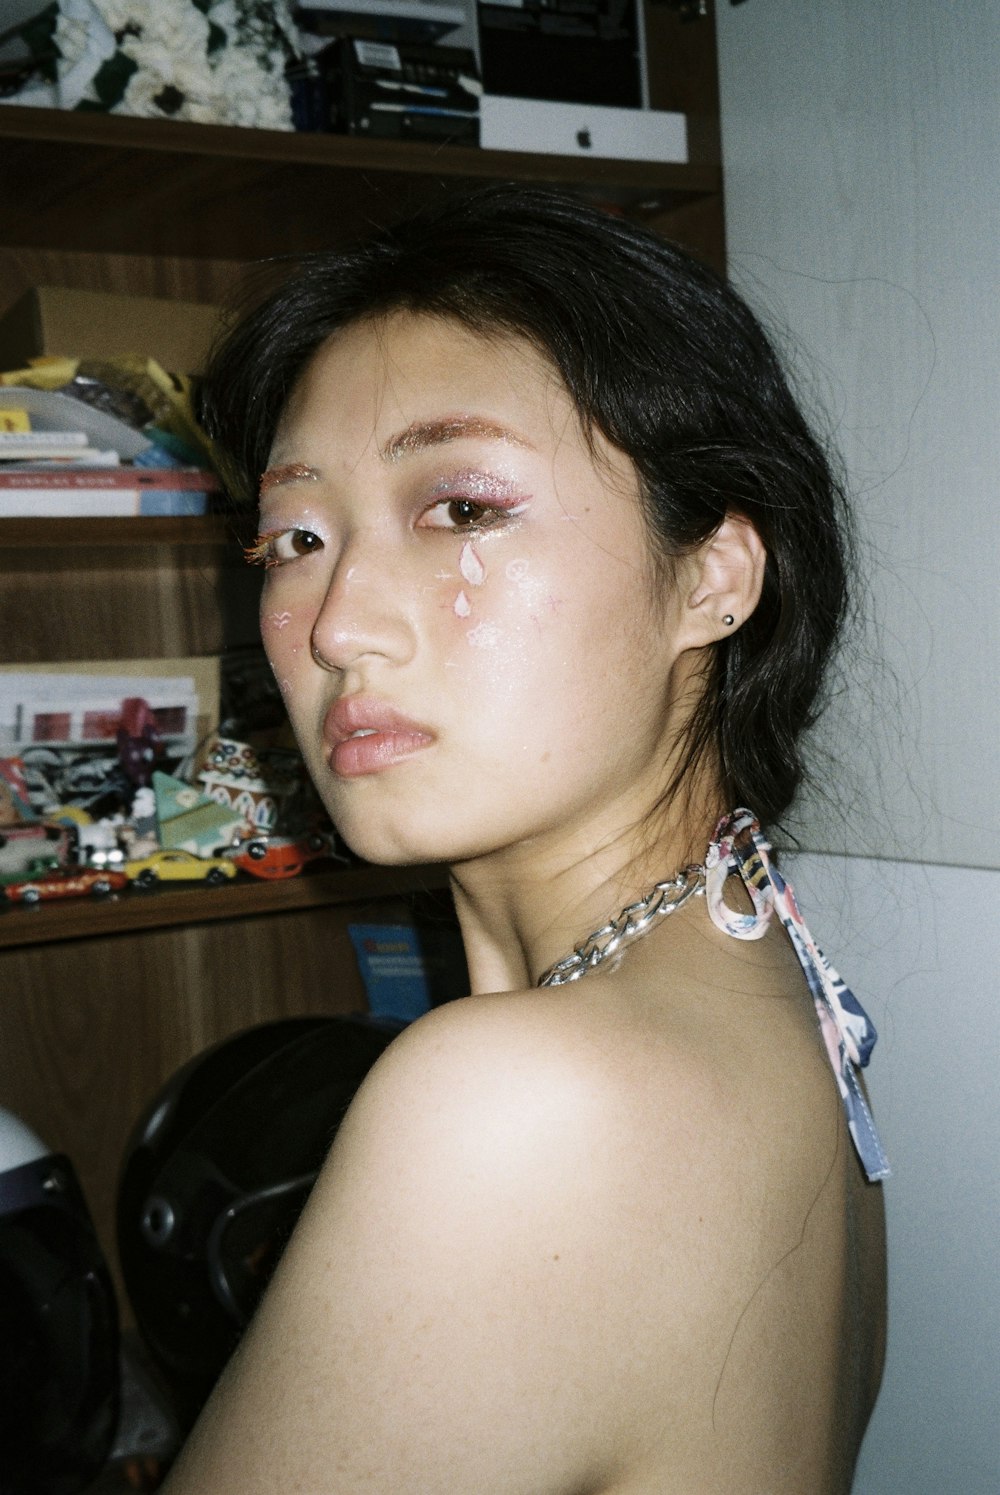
x=317 y=655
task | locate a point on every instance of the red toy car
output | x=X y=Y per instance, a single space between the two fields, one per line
x=76 y=884
x=281 y=856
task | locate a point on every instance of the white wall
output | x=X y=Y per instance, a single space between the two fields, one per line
x=920 y=946
x=863 y=211
x=861 y=146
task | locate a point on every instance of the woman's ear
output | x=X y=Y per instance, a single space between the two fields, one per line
x=729 y=574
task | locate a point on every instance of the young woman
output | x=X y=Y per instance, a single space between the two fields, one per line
x=553 y=569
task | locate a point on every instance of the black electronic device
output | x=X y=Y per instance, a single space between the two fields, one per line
x=381 y=20
x=401 y=91
x=567 y=51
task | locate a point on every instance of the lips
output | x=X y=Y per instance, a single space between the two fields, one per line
x=364 y=736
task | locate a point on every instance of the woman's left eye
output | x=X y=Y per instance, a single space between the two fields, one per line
x=464 y=513
x=280 y=547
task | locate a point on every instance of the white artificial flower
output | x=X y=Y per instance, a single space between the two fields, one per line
x=71 y=39
x=241 y=82
x=118 y=14
x=34 y=95
x=194 y=78
x=140 y=96
x=77 y=70
x=253 y=97
x=150 y=57
x=182 y=28
x=226 y=15
x=202 y=113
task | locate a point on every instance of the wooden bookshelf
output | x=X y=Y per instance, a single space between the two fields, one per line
x=101 y=1001
x=106 y=184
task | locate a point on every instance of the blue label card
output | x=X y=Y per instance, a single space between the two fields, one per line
x=392 y=968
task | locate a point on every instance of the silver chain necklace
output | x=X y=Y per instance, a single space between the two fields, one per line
x=632 y=923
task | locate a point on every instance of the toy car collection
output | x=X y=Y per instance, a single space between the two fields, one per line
x=57 y=883
x=178 y=866
x=71 y=824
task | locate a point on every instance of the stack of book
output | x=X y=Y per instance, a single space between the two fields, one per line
x=106 y=469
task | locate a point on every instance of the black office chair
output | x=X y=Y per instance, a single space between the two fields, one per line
x=215 y=1176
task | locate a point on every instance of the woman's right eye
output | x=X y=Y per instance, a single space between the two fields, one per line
x=281 y=546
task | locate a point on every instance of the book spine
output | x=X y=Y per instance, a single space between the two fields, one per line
x=29 y=441
x=98 y=503
x=83 y=479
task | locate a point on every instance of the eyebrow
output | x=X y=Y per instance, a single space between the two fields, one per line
x=422 y=434
x=288 y=472
x=416 y=438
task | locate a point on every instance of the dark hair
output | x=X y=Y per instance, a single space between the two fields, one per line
x=660 y=356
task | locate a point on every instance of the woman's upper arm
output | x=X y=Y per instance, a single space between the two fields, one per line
x=418 y=1331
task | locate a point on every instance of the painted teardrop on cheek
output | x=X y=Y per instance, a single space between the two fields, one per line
x=471 y=566
x=461 y=607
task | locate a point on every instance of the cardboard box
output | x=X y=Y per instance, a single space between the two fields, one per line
x=58 y=321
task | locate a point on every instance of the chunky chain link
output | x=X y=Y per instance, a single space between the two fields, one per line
x=633 y=922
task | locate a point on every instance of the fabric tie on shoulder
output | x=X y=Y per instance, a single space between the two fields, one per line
x=739 y=846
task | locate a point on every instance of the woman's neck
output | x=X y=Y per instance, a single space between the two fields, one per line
x=525 y=907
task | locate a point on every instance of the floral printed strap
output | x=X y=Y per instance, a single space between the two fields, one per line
x=848 y=1033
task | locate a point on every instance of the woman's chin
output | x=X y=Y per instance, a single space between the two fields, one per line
x=391 y=849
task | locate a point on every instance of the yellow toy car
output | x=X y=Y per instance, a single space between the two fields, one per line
x=178 y=866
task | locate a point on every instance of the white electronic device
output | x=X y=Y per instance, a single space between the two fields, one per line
x=541 y=125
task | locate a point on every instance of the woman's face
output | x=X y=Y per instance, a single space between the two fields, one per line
x=460 y=603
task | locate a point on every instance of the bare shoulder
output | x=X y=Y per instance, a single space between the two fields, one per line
x=554 y=1089
x=484 y=1071
x=419 y=1327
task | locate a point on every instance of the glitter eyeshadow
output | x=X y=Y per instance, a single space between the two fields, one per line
x=479 y=487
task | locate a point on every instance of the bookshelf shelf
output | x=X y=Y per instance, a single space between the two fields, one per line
x=100 y=540
x=73 y=182
x=173 y=907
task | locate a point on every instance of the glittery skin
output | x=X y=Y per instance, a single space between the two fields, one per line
x=484 y=636
x=533 y=591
